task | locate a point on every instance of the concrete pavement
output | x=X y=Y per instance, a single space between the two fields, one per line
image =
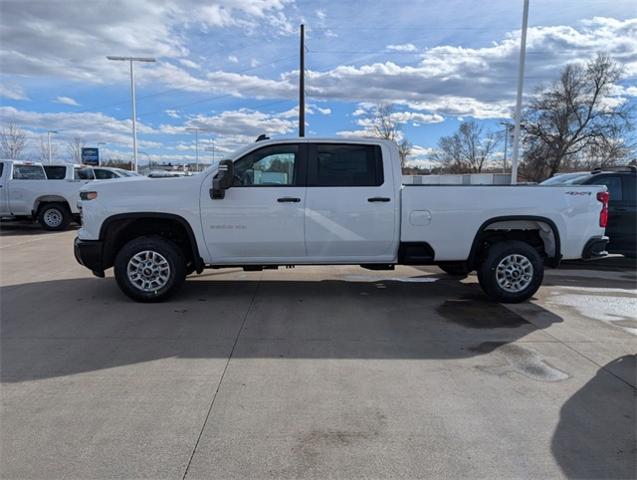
x=312 y=372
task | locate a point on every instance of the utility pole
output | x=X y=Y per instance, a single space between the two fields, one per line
x=518 y=103
x=302 y=85
x=49 y=135
x=132 y=89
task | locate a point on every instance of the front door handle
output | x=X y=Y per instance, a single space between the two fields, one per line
x=288 y=199
x=379 y=199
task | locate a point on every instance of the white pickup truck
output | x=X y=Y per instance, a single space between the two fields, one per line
x=331 y=201
x=47 y=193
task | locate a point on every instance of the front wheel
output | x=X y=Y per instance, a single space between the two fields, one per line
x=511 y=272
x=150 y=268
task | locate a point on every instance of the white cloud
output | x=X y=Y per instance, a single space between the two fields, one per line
x=190 y=64
x=233 y=59
x=71 y=39
x=13 y=92
x=403 y=47
x=324 y=111
x=66 y=101
x=93 y=127
x=172 y=113
x=448 y=80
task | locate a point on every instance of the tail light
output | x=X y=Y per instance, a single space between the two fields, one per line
x=603 y=215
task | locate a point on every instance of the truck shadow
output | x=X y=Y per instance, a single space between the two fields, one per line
x=595 y=436
x=65 y=327
x=18 y=228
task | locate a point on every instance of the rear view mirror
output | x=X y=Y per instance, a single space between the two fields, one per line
x=222 y=181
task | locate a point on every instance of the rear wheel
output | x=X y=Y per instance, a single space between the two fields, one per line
x=511 y=272
x=54 y=217
x=150 y=268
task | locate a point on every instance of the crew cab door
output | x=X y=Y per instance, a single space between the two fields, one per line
x=26 y=184
x=261 y=218
x=351 y=205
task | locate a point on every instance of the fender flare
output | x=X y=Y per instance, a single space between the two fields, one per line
x=553 y=262
x=199 y=263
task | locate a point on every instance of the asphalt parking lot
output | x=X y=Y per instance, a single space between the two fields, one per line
x=312 y=372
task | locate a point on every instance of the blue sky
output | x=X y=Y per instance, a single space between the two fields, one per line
x=230 y=67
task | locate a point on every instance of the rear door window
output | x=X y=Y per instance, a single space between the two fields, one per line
x=84 y=174
x=55 y=172
x=28 y=172
x=342 y=165
x=102 y=174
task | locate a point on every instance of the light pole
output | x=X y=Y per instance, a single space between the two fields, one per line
x=98 y=146
x=518 y=102
x=49 y=135
x=132 y=88
x=212 y=149
x=197 y=130
x=150 y=161
x=507 y=128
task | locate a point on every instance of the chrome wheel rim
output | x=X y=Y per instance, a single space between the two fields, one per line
x=53 y=217
x=148 y=270
x=514 y=273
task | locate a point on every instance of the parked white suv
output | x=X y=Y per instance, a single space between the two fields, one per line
x=332 y=201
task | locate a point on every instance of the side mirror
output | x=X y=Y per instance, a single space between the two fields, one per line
x=222 y=180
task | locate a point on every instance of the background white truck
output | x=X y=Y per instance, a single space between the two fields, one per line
x=331 y=201
x=26 y=191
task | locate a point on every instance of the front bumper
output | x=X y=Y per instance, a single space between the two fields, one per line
x=595 y=247
x=90 y=253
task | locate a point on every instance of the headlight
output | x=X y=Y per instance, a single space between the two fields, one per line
x=88 y=195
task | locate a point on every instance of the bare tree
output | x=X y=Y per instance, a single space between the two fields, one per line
x=13 y=140
x=574 y=119
x=404 y=151
x=385 y=125
x=44 y=150
x=469 y=149
x=75 y=146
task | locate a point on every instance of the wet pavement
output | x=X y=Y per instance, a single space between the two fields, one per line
x=333 y=372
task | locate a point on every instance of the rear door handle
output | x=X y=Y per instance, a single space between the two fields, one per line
x=379 y=199
x=288 y=199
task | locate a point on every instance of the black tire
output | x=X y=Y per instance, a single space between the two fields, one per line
x=54 y=217
x=488 y=274
x=167 y=249
x=456 y=269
